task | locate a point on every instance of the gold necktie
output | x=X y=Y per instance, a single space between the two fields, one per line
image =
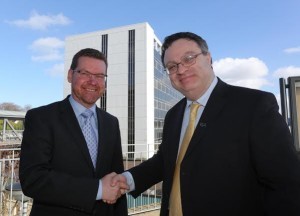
x=175 y=208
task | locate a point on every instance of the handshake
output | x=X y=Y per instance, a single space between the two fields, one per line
x=113 y=187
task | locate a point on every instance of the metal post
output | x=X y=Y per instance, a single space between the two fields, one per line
x=283 y=99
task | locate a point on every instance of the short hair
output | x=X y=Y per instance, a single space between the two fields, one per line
x=183 y=35
x=88 y=52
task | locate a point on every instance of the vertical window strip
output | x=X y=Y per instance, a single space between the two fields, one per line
x=103 y=99
x=131 y=93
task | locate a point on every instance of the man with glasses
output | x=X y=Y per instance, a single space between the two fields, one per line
x=70 y=147
x=225 y=149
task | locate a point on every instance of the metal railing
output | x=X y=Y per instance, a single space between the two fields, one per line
x=13 y=202
x=151 y=199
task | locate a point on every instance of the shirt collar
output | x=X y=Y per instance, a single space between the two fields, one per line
x=78 y=108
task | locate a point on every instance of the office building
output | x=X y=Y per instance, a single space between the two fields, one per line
x=138 y=91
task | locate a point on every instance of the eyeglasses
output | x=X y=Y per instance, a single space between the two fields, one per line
x=86 y=75
x=186 y=61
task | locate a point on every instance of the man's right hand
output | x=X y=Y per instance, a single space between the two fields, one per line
x=113 y=186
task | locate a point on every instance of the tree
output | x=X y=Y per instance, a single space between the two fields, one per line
x=27 y=107
x=13 y=107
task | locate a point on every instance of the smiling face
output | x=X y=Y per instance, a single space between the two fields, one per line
x=87 y=90
x=194 y=80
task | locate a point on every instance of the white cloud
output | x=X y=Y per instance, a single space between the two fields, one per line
x=249 y=72
x=292 y=50
x=47 y=49
x=287 y=72
x=57 y=70
x=37 y=21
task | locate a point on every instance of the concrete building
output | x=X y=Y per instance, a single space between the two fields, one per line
x=138 y=91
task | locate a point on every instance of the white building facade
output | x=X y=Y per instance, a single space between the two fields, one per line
x=138 y=90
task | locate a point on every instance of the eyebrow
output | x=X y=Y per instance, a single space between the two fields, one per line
x=185 y=54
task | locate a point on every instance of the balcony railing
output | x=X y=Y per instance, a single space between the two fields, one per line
x=151 y=199
x=13 y=202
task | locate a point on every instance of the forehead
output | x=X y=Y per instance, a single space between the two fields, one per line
x=91 y=64
x=179 y=48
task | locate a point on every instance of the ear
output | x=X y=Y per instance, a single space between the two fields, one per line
x=208 y=56
x=70 y=75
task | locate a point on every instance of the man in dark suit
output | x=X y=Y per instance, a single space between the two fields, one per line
x=240 y=159
x=66 y=157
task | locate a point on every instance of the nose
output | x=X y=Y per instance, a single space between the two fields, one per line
x=92 y=77
x=92 y=80
x=181 y=69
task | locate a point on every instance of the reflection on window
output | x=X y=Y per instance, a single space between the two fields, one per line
x=164 y=96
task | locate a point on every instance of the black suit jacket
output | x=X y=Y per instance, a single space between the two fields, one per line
x=240 y=161
x=55 y=166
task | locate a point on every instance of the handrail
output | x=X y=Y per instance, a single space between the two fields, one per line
x=12 y=199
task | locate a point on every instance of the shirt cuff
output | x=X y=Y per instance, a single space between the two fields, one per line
x=99 y=193
x=130 y=180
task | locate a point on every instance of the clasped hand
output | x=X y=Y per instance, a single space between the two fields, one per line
x=113 y=187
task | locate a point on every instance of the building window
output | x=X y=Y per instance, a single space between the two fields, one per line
x=164 y=95
x=131 y=93
x=103 y=99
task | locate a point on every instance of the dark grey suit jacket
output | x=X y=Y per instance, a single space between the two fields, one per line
x=55 y=166
x=240 y=161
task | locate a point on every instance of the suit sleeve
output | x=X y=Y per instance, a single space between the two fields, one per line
x=275 y=159
x=38 y=178
x=120 y=207
x=147 y=173
x=154 y=170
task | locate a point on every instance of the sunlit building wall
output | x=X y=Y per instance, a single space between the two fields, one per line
x=138 y=90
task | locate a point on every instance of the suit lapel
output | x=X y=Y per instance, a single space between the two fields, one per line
x=103 y=144
x=210 y=114
x=73 y=129
x=174 y=125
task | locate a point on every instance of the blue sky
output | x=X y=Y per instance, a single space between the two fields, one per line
x=253 y=43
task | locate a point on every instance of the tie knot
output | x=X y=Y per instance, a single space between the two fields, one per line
x=87 y=113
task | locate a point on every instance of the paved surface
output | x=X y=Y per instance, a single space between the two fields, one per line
x=151 y=213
